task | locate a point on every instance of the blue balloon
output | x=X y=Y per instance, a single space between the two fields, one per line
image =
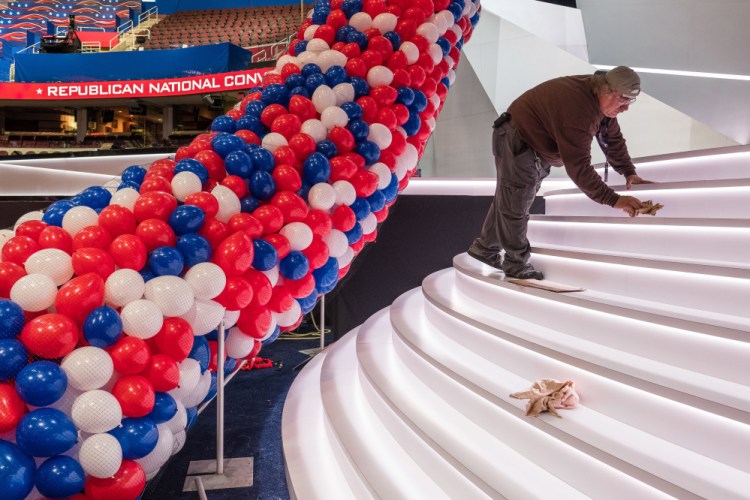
x=316 y=168
x=250 y=147
x=354 y=234
x=214 y=334
x=239 y=163
x=310 y=69
x=223 y=144
x=194 y=166
x=186 y=219
x=17 y=471
x=412 y=125
x=95 y=197
x=294 y=266
x=248 y=204
x=60 y=477
x=102 y=327
x=212 y=389
x=192 y=416
x=262 y=159
x=294 y=80
x=405 y=96
x=137 y=437
x=275 y=93
x=361 y=208
x=420 y=101
x=444 y=44
x=224 y=123
x=265 y=255
x=41 y=383
x=11 y=319
x=45 y=432
x=456 y=9
x=300 y=47
x=343 y=32
x=319 y=16
x=13 y=357
x=326 y=276
x=358 y=38
x=56 y=211
x=314 y=81
x=250 y=122
x=391 y=191
x=166 y=261
x=255 y=108
x=361 y=87
x=200 y=352
x=262 y=185
x=308 y=303
x=134 y=173
x=147 y=273
x=369 y=151
x=474 y=19
x=376 y=201
x=164 y=408
x=445 y=81
x=272 y=337
x=394 y=38
x=328 y=148
x=229 y=365
x=352 y=110
x=359 y=129
x=335 y=75
x=300 y=90
x=194 y=249
x=129 y=185
x=304 y=190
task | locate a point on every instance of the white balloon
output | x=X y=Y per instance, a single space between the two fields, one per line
x=52 y=262
x=346 y=259
x=435 y=100
x=125 y=197
x=315 y=129
x=100 y=455
x=34 y=292
x=361 y=21
x=35 y=215
x=77 y=218
x=230 y=318
x=238 y=345
x=299 y=235
x=446 y=19
x=322 y=196
x=307 y=57
x=385 y=22
x=96 y=411
x=123 y=287
x=190 y=372
x=206 y=318
x=337 y=243
x=201 y=390
x=142 y=319
x=272 y=275
x=383 y=173
x=431 y=123
x=184 y=184
x=65 y=403
x=411 y=51
x=179 y=442
x=345 y=192
x=229 y=204
x=369 y=223
x=88 y=368
x=451 y=77
x=379 y=75
x=286 y=59
x=310 y=32
x=323 y=97
x=273 y=140
x=429 y=31
x=161 y=452
x=112 y=185
x=344 y=93
x=333 y=116
x=290 y=317
x=5 y=235
x=331 y=58
x=409 y=157
x=380 y=135
x=179 y=421
x=317 y=45
x=436 y=53
x=173 y=295
x=207 y=279
x=272 y=327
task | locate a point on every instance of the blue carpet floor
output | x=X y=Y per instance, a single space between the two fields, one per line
x=252 y=418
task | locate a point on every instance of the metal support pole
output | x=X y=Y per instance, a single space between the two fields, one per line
x=220 y=402
x=322 y=322
x=200 y=488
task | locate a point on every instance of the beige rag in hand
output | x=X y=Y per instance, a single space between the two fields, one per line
x=547 y=395
x=649 y=208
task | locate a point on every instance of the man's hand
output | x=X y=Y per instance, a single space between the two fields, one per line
x=629 y=205
x=635 y=179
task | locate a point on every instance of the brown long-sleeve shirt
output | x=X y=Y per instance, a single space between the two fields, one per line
x=559 y=119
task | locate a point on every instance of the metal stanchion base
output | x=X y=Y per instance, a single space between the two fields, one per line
x=238 y=473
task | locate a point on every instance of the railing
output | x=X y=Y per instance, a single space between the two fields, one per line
x=63 y=30
x=270 y=51
x=153 y=12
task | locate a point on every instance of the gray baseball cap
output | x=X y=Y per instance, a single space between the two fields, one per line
x=624 y=80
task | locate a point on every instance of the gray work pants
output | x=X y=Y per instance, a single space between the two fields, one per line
x=519 y=175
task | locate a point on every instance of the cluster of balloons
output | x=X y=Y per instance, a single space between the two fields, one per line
x=111 y=301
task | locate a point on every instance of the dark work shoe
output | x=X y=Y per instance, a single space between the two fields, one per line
x=493 y=261
x=527 y=273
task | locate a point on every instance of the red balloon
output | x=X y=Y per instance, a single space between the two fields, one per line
x=163 y=373
x=246 y=222
x=384 y=95
x=248 y=136
x=303 y=145
x=175 y=339
x=93 y=260
x=270 y=112
x=302 y=107
x=182 y=153
x=380 y=44
x=213 y=163
x=235 y=254
x=155 y=233
x=154 y=205
x=32 y=229
x=326 y=33
x=271 y=217
x=281 y=299
x=280 y=242
x=9 y=274
x=284 y=155
x=342 y=168
x=56 y=237
x=155 y=183
x=117 y=220
x=374 y=7
x=358 y=245
x=92 y=236
x=199 y=144
x=237 y=294
x=291 y=205
x=398 y=141
x=365 y=183
x=343 y=218
x=286 y=178
x=12 y=408
x=257 y=346
x=50 y=336
x=396 y=61
x=164 y=163
x=417 y=74
x=302 y=287
x=286 y=125
x=205 y=201
x=261 y=287
x=289 y=69
x=127 y=483
x=317 y=253
x=342 y=138
x=214 y=355
x=18 y=249
x=369 y=108
x=401 y=78
x=320 y=222
x=215 y=231
x=355 y=66
x=79 y=296
x=235 y=114
x=387 y=117
x=371 y=58
x=236 y=184
x=130 y=355
x=254 y=321
x=128 y=251
x=135 y=394
x=381 y=215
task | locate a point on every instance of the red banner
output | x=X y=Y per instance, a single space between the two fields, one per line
x=127 y=89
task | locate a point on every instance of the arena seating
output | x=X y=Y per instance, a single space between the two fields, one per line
x=245 y=27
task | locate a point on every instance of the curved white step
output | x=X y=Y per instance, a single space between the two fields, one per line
x=625 y=424
x=697 y=166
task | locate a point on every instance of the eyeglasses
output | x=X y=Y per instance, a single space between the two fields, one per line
x=621 y=99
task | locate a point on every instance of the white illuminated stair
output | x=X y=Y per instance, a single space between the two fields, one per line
x=415 y=402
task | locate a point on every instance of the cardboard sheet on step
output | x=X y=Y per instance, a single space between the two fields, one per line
x=550 y=286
